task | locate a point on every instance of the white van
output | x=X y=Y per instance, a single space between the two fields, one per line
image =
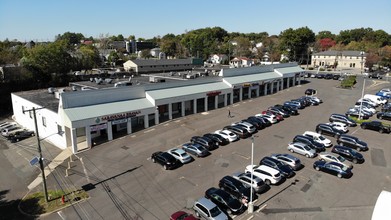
x=318 y=138
x=376 y=99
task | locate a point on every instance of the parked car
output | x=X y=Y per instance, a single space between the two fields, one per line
x=352 y=142
x=256 y=183
x=301 y=148
x=249 y=127
x=291 y=110
x=328 y=76
x=279 y=111
x=336 y=77
x=339 y=126
x=224 y=200
x=330 y=157
x=375 y=98
x=180 y=155
x=195 y=149
x=258 y=124
x=333 y=168
x=20 y=135
x=348 y=153
x=318 y=147
x=310 y=92
x=271 y=118
x=206 y=209
x=357 y=113
x=11 y=131
x=310 y=100
x=267 y=174
x=375 y=75
x=284 y=169
x=384 y=115
x=272 y=114
x=204 y=141
x=289 y=160
x=376 y=126
x=217 y=138
x=264 y=121
x=316 y=99
x=228 y=134
x=239 y=131
x=6 y=124
x=342 y=118
x=181 y=215
x=318 y=138
x=165 y=159
x=236 y=188
x=328 y=130
x=294 y=104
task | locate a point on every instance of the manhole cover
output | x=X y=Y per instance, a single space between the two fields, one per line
x=125 y=147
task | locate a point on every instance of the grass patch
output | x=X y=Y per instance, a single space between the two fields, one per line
x=35 y=203
x=348 y=82
x=359 y=121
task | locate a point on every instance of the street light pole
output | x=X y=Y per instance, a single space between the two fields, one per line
x=40 y=153
x=362 y=60
x=362 y=96
x=250 y=204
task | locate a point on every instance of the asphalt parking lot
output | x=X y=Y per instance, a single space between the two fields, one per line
x=127 y=185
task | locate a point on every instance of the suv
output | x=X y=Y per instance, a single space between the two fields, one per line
x=236 y=188
x=256 y=183
x=353 y=142
x=224 y=200
x=289 y=160
x=279 y=111
x=241 y=132
x=165 y=159
x=205 y=208
x=289 y=109
x=204 y=141
x=284 y=169
x=310 y=142
x=318 y=138
x=342 y=118
x=328 y=130
x=220 y=140
x=348 y=153
x=249 y=127
x=376 y=126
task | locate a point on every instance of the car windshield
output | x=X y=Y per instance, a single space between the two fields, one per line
x=307 y=148
x=215 y=211
x=183 y=155
x=340 y=158
x=322 y=138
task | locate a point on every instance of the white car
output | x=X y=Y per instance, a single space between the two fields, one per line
x=328 y=157
x=339 y=126
x=301 y=148
x=367 y=109
x=267 y=174
x=370 y=101
x=249 y=127
x=271 y=118
x=180 y=155
x=227 y=134
x=318 y=138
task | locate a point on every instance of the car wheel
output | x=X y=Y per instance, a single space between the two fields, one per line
x=17 y=140
x=165 y=167
x=291 y=150
x=381 y=131
x=153 y=160
x=307 y=155
x=33 y=134
x=319 y=132
x=380 y=117
x=359 y=149
x=229 y=211
x=354 y=161
x=339 y=175
x=197 y=214
x=317 y=168
x=267 y=182
x=363 y=126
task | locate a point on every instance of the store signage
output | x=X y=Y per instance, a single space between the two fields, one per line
x=120 y=116
x=214 y=93
x=246 y=84
x=98 y=127
x=119 y=121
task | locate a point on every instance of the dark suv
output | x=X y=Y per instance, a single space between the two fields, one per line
x=241 y=132
x=310 y=142
x=348 y=153
x=204 y=141
x=376 y=126
x=352 y=142
x=279 y=111
x=284 y=169
x=291 y=110
x=236 y=188
x=220 y=140
x=328 y=130
x=165 y=159
x=342 y=118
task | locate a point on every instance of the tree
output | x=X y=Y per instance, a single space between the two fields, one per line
x=271 y=46
x=145 y=53
x=168 y=45
x=243 y=47
x=88 y=57
x=296 y=42
x=71 y=38
x=371 y=59
x=326 y=43
x=113 y=57
x=325 y=34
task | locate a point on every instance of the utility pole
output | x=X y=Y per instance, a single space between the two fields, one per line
x=45 y=190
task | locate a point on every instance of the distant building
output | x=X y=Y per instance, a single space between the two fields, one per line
x=346 y=59
x=155 y=65
x=218 y=58
x=241 y=62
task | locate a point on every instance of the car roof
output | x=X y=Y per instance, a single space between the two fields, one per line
x=267 y=169
x=206 y=202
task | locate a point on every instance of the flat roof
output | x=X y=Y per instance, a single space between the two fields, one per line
x=252 y=78
x=41 y=97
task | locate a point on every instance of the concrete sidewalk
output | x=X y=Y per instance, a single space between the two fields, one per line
x=59 y=159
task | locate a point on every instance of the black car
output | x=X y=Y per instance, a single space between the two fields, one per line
x=241 y=132
x=348 y=153
x=20 y=135
x=320 y=75
x=165 y=159
x=224 y=200
x=220 y=140
x=204 y=141
x=291 y=110
x=333 y=168
x=328 y=130
x=384 y=115
x=328 y=76
x=296 y=105
x=336 y=77
x=264 y=121
x=310 y=142
x=310 y=92
x=279 y=111
x=352 y=142
x=236 y=188
x=256 y=123
x=376 y=126
x=284 y=169
x=342 y=118
x=375 y=75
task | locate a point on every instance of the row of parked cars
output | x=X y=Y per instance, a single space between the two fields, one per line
x=13 y=132
x=234 y=191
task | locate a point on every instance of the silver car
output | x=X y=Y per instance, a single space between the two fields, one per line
x=256 y=182
x=330 y=157
x=208 y=210
x=301 y=148
x=289 y=160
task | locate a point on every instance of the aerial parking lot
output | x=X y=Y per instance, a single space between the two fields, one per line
x=128 y=185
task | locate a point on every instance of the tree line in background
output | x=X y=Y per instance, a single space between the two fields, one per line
x=44 y=64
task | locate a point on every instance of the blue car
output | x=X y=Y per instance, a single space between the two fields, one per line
x=334 y=168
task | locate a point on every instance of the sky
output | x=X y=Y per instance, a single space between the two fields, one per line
x=42 y=20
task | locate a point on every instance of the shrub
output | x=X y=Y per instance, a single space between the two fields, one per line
x=329 y=69
x=321 y=69
x=310 y=68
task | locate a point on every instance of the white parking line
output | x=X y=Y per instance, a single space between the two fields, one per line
x=149 y=130
x=241 y=155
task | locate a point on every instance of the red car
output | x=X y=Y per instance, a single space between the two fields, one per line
x=181 y=215
x=278 y=116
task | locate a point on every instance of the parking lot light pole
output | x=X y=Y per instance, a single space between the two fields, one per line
x=362 y=60
x=362 y=96
x=250 y=204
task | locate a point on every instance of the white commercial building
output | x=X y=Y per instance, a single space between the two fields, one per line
x=81 y=119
